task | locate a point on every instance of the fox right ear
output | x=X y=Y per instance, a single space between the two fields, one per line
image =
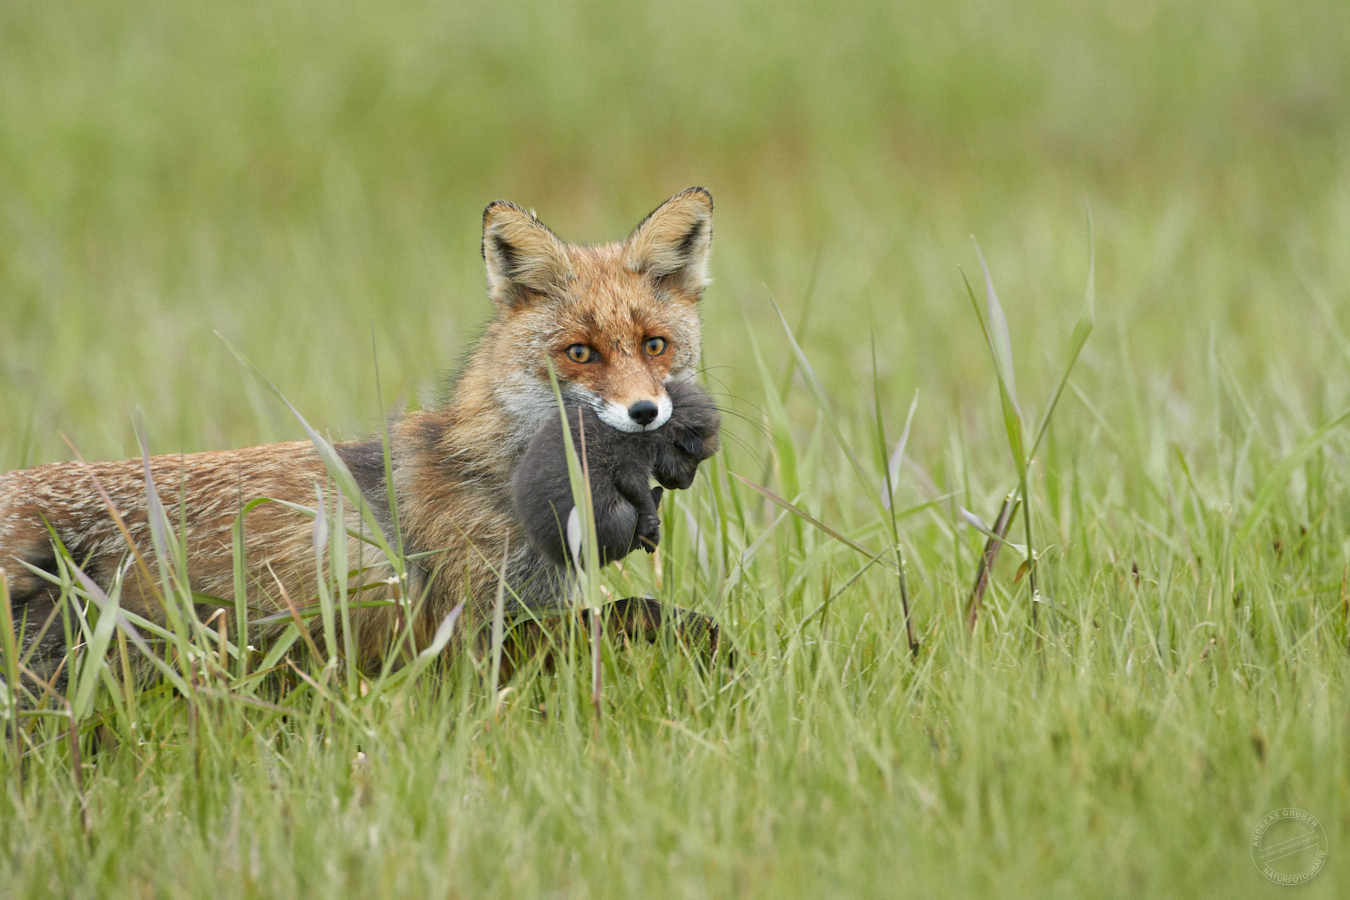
x=672 y=243
x=524 y=259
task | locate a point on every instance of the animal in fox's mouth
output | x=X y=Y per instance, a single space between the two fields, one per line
x=621 y=466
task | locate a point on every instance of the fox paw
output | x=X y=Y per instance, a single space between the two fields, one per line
x=643 y=617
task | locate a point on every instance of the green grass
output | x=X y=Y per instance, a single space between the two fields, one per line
x=306 y=180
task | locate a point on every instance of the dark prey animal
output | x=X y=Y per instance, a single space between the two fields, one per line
x=622 y=466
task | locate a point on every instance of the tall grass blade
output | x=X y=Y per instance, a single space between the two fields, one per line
x=281 y=645
x=1000 y=341
x=327 y=611
x=785 y=448
x=389 y=484
x=337 y=469
x=817 y=390
x=239 y=561
x=887 y=499
x=441 y=638
x=807 y=300
x=125 y=625
x=95 y=654
x=996 y=539
x=1082 y=329
x=897 y=457
x=429 y=654
x=1278 y=476
x=498 y=616
x=9 y=666
x=178 y=610
x=339 y=566
x=1000 y=348
x=803 y=515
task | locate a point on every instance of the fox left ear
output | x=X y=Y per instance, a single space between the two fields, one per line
x=672 y=243
x=524 y=259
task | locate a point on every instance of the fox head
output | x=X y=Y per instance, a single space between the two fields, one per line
x=617 y=322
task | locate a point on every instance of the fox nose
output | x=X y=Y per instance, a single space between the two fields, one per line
x=643 y=412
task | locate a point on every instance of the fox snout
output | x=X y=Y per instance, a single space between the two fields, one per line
x=645 y=414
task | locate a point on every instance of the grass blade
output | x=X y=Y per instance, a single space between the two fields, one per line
x=803 y=515
x=9 y=660
x=1000 y=348
x=1265 y=495
x=888 y=497
x=823 y=403
x=327 y=613
x=124 y=623
x=1082 y=329
x=1000 y=341
x=337 y=469
x=897 y=458
x=95 y=657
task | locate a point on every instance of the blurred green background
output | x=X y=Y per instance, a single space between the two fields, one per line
x=306 y=179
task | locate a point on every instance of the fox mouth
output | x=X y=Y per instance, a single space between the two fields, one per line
x=616 y=415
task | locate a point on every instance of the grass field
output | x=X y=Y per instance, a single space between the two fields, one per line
x=304 y=180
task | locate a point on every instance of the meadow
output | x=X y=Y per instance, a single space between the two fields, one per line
x=303 y=181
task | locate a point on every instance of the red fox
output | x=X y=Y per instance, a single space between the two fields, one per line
x=618 y=324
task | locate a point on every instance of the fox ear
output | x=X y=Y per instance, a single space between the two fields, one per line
x=524 y=259
x=672 y=243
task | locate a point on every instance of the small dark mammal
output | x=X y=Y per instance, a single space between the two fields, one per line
x=622 y=465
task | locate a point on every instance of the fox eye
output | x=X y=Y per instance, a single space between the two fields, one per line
x=654 y=346
x=580 y=353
